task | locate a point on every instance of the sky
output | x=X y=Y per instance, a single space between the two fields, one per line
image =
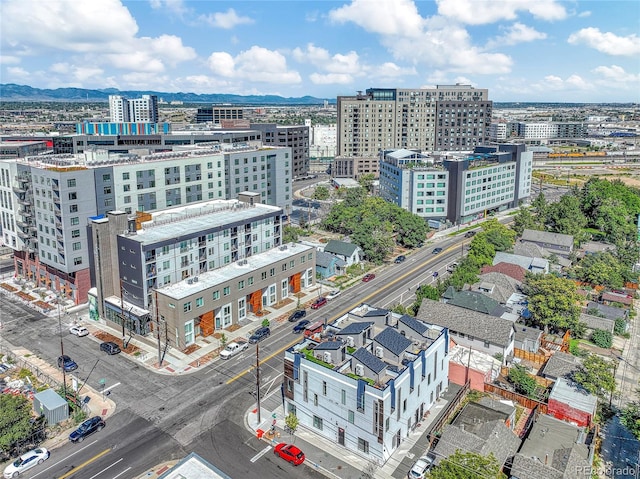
x=520 y=50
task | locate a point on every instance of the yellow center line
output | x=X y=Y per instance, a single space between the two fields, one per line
x=342 y=313
x=84 y=464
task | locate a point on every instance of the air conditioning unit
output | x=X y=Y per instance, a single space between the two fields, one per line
x=359 y=370
x=190 y=281
x=379 y=351
x=195 y=279
x=350 y=341
x=327 y=357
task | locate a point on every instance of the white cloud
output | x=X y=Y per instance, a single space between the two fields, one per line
x=323 y=60
x=226 y=20
x=385 y=17
x=257 y=64
x=175 y=7
x=17 y=73
x=473 y=12
x=617 y=74
x=9 y=59
x=516 y=33
x=556 y=83
x=584 y=14
x=331 y=78
x=606 y=42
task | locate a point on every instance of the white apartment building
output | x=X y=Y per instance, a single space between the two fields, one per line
x=369 y=381
x=323 y=140
x=137 y=110
x=47 y=201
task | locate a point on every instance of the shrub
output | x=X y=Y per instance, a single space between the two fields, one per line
x=602 y=338
x=620 y=327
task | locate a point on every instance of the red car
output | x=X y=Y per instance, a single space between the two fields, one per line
x=289 y=453
x=368 y=277
x=319 y=303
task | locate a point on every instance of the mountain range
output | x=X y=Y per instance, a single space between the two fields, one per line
x=13 y=92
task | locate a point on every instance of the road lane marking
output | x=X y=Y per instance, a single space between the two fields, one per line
x=344 y=311
x=64 y=459
x=110 y=387
x=116 y=477
x=108 y=467
x=85 y=463
x=260 y=454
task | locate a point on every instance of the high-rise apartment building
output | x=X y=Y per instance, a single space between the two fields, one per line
x=137 y=110
x=444 y=118
x=295 y=137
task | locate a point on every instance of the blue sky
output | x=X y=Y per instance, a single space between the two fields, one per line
x=521 y=50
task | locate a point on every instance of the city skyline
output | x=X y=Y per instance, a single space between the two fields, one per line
x=545 y=51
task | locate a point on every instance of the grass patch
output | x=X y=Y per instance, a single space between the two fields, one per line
x=369 y=381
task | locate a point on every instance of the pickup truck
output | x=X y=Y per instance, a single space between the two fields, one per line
x=234 y=347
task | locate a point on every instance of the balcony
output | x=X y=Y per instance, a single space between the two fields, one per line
x=23 y=235
x=55 y=187
x=18 y=190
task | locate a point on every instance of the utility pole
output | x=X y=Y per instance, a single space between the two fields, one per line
x=258 y=379
x=64 y=374
x=158 y=326
x=122 y=313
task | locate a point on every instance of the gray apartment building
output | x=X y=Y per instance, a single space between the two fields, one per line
x=295 y=137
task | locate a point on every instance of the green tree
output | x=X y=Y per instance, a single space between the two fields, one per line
x=467 y=465
x=321 y=193
x=522 y=381
x=539 y=205
x=291 y=234
x=553 y=302
x=366 y=181
x=602 y=338
x=524 y=220
x=601 y=268
x=291 y=421
x=596 y=375
x=410 y=229
x=15 y=425
x=565 y=216
x=630 y=416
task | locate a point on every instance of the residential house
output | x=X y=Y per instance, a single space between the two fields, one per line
x=553 y=243
x=328 y=265
x=514 y=271
x=528 y=338
x=560 y=365
x=475 y=367
x=473 y=300
x=557 y=263
x=497 y=286
x=596 y=322
x=568 y=401
x=609 y=312
x=347 y=252
x=619 y=299
x=553 y=449
x=529 y=263
x=366 y=393
x=489 y=334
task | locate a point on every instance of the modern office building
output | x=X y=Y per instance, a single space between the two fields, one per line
x=355 y=167
x=218 y=299
x=457 y=189
x=536 y=133
x=367 y=380
x=47 y=201
x=136 y=254
x=445 y=118
x=137 y=110
x=218 y=113
x=295 y=137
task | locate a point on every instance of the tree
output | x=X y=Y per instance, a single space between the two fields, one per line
x=321 y=193
x=366 y=181
x=601 y=268
x=524 y=220
x=539 y=205
x=565 y=216
x=291 y=234
x=522 y=381
x=553 y=302
x=265 y=323
x=467 y=465
x=630 y=416
x=596 y=375
x=602 y=338
x=15 y=424
x=291 y=422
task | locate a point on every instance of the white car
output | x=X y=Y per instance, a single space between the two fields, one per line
x=421 y=467
x=333 y=294
x=26 y=461
x=79 y=331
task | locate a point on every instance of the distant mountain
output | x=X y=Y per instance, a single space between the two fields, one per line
x=13 y=92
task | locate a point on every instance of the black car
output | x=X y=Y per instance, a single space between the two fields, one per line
x=436 y=250
x=298 y=328
x=110 y=347
x=399 y=259
x=469 y=234
x=297 y=315
x=90 y=426
x=259 y=335
x=67 y=363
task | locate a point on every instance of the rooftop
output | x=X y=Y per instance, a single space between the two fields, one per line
x=569 y=392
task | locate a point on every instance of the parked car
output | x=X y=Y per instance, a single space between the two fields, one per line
x=110 y=347
x=318 y=303
x=298 y=328
x=67 y=363
x=333 y=294
x=420 y=467
x=368 y=277
x=26 y=462
x=452 y=267
x=234 y=347
x=297 y=315
x=469 y=234
x=79 y=331
x=435 y=274
x=436 y=250
x=96 y=423
x=259 y=334
x=400 y=259
x=289 y=453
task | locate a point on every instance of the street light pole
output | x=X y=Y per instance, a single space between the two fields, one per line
x=64 y=374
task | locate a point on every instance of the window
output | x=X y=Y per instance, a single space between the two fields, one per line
x=125 y=175
x=71 y=183
x=187 y=307
x=226 y=291
x=250 y=280
x=77 y=261
x=73 y=208
x=317 y=422
x=315 y=399
x=216 y=295
x=75 y=221
x=106 y=177
x=77 y=246
x=264 y=275
x=343 y=397
x=324 y=388
x=241 y=284
x=73 y=195
x=199 y=302
x=363 y=445
x=272 y=272
x=107 y=190
x=75 y=233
